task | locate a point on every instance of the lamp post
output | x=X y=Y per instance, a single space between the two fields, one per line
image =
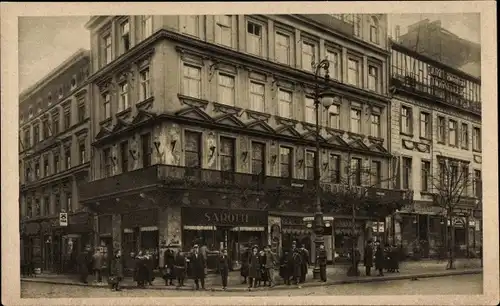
x=321 y=96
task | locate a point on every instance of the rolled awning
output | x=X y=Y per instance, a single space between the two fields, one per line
x=149 y=228
x=248 y=229
x=199 y=227
x=128 y=230
x=296 y=231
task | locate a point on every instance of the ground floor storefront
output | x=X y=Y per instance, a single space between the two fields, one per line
x=50 y=247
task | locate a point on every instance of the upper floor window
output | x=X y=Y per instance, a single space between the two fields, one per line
x=310 y=110
x=223 y=31
x=375 y=125
x=334 y=165
x=55 y=123
x=125 y=36
x=191 y=82
x=226 y=94
x=372 y=78
x=124 y=103
x=49 y=98
x=46 y=168
x=282 y=52
x=145 y=90
x=406 y=120
x=227 y=153
x=147 y=26
x=353 y=72
x=356 y=170
x=107 y=55
x=57 y=163
x=441 y=129
x=425 y=125
x=190 y=24
x=67 y=155
x=73 y=82
x=69 y=205
x=27 y=138
x=146 y=150
x=124 y=156
x=333 y=58
x=46 y=128
x=106 y=105
x=477 y=185
x=286 y=162
x=60 y=93
x=36 y=133
x=465 y=136
x=355 y=120
x=82 y=109
x=374 y=28
x=257 y=94
x=37 y=170
x=82 y=149
x=376 y=174
x=476 y=139
x=452 y=132
x=285 y=103
x=425 y=175
x=308 y=56
x=30 y=112
x=67 y=118
x=334 y=112
x=106 y=159
x=310 y=169
x=407 y=161
x=254 y=38
x=192 y=149
x=258 y=158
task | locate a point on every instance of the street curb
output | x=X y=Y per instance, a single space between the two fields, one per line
x=279 y=287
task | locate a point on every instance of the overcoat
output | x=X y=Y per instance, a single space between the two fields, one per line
x=379 y=258
x=254 y=266
x=368 y=258
x=198 y=265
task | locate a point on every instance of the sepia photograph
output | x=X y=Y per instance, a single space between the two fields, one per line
x=251 y=155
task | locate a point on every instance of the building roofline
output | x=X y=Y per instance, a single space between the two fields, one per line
x=75 y=57
x=398 y=47
x=93 y=21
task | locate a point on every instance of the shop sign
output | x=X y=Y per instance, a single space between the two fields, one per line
x=222 y=217
x=344 y=224
x=140 y=218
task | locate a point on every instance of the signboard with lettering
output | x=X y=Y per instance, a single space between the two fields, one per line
x=63 y=219
x=223 y=217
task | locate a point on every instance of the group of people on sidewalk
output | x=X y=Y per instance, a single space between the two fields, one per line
x=384 y=258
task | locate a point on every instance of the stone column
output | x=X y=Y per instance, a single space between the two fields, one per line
x=117 y=232
x=174 y=230
x=163 y=225
x=364 y=73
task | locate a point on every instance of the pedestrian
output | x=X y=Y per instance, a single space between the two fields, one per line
x=244 y=264
x=84 y=261
x=284 y=267
x=263 y=273
x=270 y=265
x=142 y=270
x=97 y=263
x=223 y=267
x=388 y=258
x=395 y=258
x=150 y=267
x=253 y=268
x=296 y=264
x=168 y=269
x=304 y=265
x=379 y=259
x=321 y=260
x=357 y=259
x=368 y=258
x=133 y=267
x=180 y=268
x=198 y=267
x=116 y=271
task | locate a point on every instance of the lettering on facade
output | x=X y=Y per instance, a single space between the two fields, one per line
x=226 y=217
x=446 y=81
x=222 y=217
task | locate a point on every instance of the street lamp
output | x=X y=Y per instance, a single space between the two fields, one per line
x=325 y=98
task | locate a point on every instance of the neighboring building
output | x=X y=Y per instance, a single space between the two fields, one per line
x=430 y=39
x=53 y=162
x=203 y=126
x=436 y=116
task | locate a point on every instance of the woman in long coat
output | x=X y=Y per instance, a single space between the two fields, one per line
x=180 y=268
x=169 y=272
x=254 y=267
x=263 y=273
x=296 y=265
x=244 y=265
x=142 y=274
x=379 y=259
x=116 y=271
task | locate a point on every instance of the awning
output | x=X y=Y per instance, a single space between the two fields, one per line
x=200 y=227
x=248 y=229
x=149 y=228
x=128 y=230
x=296 y=231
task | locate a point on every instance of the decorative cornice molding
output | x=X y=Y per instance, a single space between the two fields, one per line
x=257 y=115
x=193 y=102
x=227 y=109
x=286 y=121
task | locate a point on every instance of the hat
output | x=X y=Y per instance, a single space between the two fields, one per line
x=196 y=246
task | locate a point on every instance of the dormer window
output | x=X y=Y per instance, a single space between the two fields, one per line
x=30 y=113
x=73 y=82
x=60 y=93
x=49 y=98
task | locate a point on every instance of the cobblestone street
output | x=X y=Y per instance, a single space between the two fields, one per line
x=460 y=284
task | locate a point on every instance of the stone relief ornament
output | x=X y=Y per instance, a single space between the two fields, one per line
x=134 y=152
x=212 y=150
x=172 y=155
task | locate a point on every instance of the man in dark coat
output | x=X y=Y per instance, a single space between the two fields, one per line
x=304 y=263
x=116 y=271
x=284 y=270
x=180 y=268
x=296 y=264
x=379 y=259
x=168 y=270
x=254 y=267
x=368 y=258
x=244 y=264
x=321 y=260
x=84 y=264
x=198 y=267
x=223 y=267
x=97 y=263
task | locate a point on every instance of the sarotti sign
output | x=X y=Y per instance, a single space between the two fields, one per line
x=221 y=217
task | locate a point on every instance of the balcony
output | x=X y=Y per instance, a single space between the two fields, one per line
x=408 y=83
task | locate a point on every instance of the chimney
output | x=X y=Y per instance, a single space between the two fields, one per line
x=398 y=33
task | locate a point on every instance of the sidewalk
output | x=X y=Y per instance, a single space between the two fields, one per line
x=335 y=275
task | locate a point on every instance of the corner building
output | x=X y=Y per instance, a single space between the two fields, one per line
x=436 y=117
x=203 y=126
x=54 y=146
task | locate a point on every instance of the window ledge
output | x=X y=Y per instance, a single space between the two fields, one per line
x=146 y=103
x=476 y=151
x=124 y=113
x=425 y=138
x=105 y=121
x=406 y=134
x=193 y=102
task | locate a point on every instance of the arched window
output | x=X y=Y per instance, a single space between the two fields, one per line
x=374 y=30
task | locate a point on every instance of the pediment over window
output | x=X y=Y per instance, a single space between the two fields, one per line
x=358 y=144
x=194 y=113
x=227 y=109
x=311 y=135
x=120 y=125
x=142 y=116
x=230 y=120
x=378 y=148
x=261 y=126
x=103 y=132
x=193 y=102
x=288 y=131
x=338 y=141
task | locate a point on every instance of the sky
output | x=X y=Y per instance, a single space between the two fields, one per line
x=45 y=42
